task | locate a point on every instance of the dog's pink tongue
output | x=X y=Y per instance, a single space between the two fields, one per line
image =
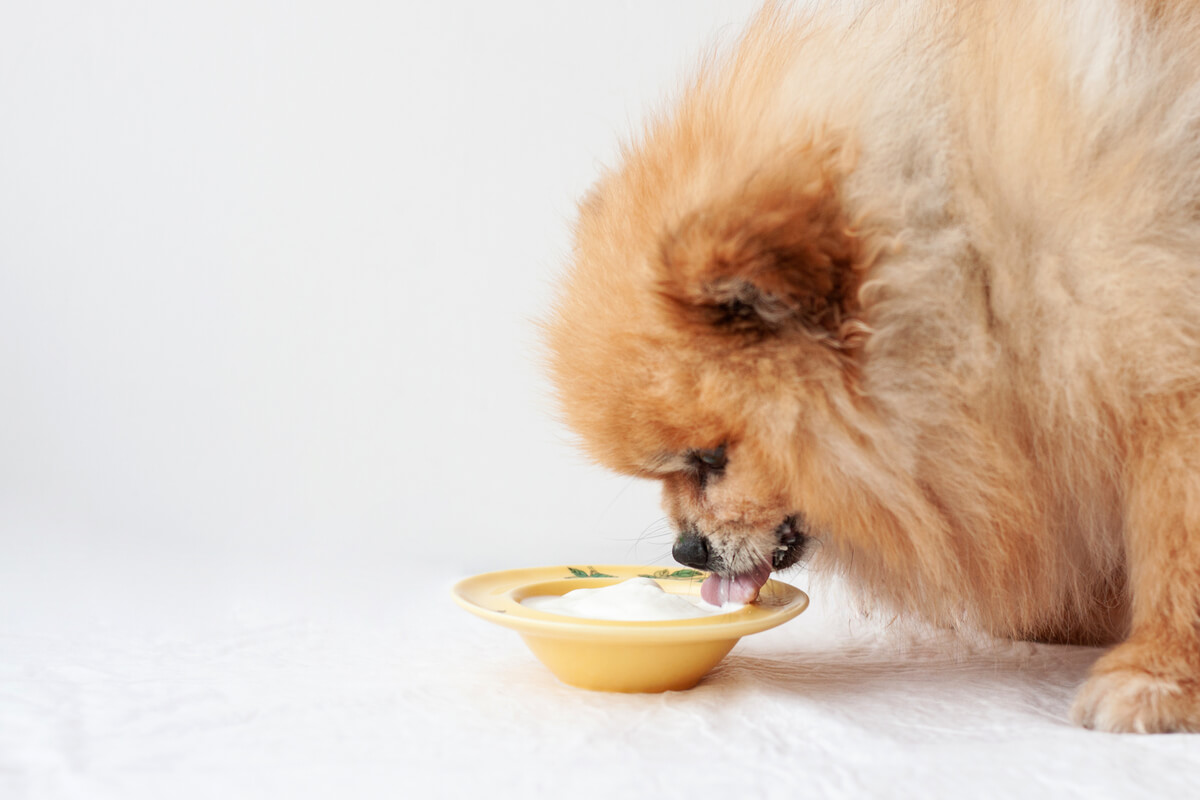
x=719 y=590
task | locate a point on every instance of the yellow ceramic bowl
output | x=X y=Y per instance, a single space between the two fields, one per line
x=617 y=656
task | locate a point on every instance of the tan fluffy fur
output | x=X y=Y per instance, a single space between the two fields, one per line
x=970 y=236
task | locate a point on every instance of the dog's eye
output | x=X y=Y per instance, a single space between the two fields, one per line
x=709 y=460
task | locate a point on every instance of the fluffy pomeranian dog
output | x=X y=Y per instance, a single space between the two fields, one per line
x=911 y=289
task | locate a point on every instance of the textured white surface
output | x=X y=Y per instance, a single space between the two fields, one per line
x=395 y=692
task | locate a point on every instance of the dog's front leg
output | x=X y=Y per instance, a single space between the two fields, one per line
x=1151 y=682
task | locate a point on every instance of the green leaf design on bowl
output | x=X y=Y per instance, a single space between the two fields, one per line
x=678 y=574
x=662 y=574
x=590 y=572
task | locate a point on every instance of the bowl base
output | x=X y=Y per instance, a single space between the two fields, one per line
x=633 y=667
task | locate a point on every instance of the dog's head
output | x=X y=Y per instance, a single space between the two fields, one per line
x=707 y=333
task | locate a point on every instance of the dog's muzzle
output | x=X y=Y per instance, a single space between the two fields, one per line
x=691 y=547
x=792 y=537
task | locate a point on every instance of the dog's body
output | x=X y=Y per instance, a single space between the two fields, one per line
x=921 y=281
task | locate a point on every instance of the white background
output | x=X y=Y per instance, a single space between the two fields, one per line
x=269 y=383
x=269 y=277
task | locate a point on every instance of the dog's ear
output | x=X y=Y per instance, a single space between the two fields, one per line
x=765 y=260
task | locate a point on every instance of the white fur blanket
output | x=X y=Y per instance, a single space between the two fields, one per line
x=392 y=691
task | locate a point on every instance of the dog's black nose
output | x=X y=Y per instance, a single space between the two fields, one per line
x=691 y=550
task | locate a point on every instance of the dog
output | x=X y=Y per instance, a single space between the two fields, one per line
x=911 y=290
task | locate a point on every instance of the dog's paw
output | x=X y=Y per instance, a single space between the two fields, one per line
x=1123 y=696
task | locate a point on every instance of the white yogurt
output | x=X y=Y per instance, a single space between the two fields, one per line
x=634 y=600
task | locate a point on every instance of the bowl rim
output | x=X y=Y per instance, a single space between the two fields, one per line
x=493 y=596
